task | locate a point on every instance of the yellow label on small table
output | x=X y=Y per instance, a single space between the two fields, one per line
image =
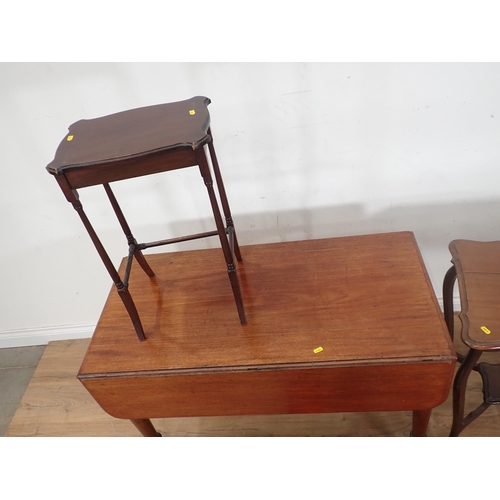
x=318 y=349
x=192 y=112
x=486 y=330
x=69 y=138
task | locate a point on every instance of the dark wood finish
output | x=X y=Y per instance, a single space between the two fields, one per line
x=141 y=142
x=129 y=168
x=133 y=134
x=476 y=266
x=366 y=301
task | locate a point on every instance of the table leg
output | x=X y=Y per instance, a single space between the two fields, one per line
x=223 y=197
x=459 y=388
x=146 y=428
x=221 y=230
x=73 y=197
x=448 y=284
x=420 y=422
x=128 y=233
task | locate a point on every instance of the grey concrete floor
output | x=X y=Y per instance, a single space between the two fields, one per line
x=17 y=366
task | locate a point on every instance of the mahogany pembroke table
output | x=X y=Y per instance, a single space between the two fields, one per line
x=346 y=324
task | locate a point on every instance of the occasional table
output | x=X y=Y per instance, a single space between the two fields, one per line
x=346 y=324
x=476 y=267
x=139 y=142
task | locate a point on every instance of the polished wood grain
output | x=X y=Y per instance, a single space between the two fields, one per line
x=56 y=404
x=366 y=301
x=133 y=134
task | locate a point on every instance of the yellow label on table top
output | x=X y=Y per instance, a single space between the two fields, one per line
x=486 y=330
x=69 y=138
x=192 y=112
x=318 y=349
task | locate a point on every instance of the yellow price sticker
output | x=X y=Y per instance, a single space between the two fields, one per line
x=486 y=330
x=69 y=138
x=318 y=349
x=192 y=112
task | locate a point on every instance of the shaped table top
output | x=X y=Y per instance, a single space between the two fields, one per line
x=478 y=270
x=133 y=133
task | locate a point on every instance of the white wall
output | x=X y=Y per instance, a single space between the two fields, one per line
x=306 y=150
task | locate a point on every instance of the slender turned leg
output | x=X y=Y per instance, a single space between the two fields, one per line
x=223 y=198
x=448 y=284
x=128 y=301
x=123 y=291
x=146 y=428
x=459 y=387
x=128 y=233
x=420 y=422
x=231 y=268
x=73 y=198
